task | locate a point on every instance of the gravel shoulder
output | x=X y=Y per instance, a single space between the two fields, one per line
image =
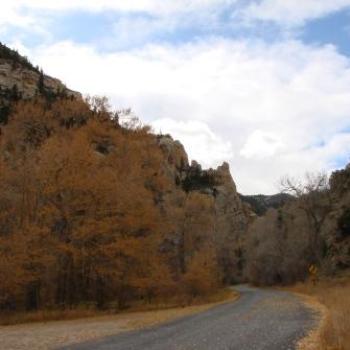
x=53 y=334
x=261 y=320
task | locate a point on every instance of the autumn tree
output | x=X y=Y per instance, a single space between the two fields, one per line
x=84 y=216
x=202 y=276
x=196 y=226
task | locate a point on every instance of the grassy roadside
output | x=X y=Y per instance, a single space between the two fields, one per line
x=331 y=298
x=50 y=335
x=86 y=312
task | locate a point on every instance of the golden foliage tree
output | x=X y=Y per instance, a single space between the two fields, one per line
x=81 y=212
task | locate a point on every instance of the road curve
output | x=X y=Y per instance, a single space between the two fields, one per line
x=260 y=320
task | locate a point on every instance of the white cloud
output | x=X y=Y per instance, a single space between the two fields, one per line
x=261 y=144
x=198 y=139
x=135 y=21
x=31 y=14
x=36 y=15
x=292 y=12
x=11 y=16
x=156 y=7
x=215 y=95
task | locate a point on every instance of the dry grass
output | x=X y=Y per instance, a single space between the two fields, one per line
x=48 y=315
x=334 y=331
x=49 y=335
x=87 y=312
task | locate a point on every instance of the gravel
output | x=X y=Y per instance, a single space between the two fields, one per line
x=260 y=320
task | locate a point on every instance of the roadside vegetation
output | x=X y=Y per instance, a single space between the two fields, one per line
x=85 y=311
x=334 y=294
x=311 y=229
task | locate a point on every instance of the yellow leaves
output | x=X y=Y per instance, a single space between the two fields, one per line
x=13 y=274
x=202 y=276
x=83 y=210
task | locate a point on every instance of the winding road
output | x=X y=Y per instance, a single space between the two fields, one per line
x=260 y=320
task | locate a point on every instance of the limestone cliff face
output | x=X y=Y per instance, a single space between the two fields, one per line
x=226 y=215
x=176 y=158
x=232 y=214
x=25 y=80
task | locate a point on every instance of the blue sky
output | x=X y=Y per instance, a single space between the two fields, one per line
x=262 y=84
x=89 y=27
x=333 y=29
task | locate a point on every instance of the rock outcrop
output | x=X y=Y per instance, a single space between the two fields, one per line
x=232 y=214
x=26 y=81
x=228 y=216
x=217 y=183
x=19 y=78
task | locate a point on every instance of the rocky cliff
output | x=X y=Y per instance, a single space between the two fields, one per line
x=225 y=218
x=232 y=213
x=337 y=225
x=19 y=78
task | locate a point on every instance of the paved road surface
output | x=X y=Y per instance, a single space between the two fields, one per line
x=259 y=320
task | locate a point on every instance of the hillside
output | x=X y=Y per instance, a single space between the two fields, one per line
x=101 y=214
x=261 y=203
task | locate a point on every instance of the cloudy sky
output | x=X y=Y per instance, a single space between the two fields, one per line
x=262 y=84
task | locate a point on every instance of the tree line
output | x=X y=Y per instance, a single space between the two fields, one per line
x=311 y=229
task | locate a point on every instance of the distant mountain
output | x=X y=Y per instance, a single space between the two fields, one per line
x=261 y=203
